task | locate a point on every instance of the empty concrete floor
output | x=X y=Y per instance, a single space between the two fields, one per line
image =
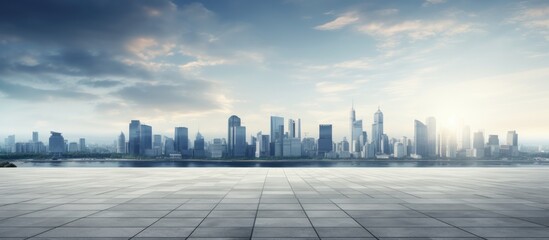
x=262 y=203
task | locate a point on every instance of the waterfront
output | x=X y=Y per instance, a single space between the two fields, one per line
x=275 y=163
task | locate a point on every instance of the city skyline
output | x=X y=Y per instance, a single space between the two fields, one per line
x=85 y=69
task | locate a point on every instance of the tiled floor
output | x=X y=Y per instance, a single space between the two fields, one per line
x=262 y=203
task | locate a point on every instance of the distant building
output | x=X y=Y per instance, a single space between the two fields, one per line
x=277 y=133
x=466 y=137
x=73 y=147
x=199 y=146
x=56 y=143
x=291 y=147
x=291 y=128
x=324 y=139
x=121 y=143
x=377 y=131
x=157 y=144
x=262 y=145
x=9 y=143
x=399 y=150
x=145 y=142
x=216 y=148
x=169 y=146
x=492 y=147
x=35 y=137
x=134 y=138
x=82 y=145
x=420 y=139
x=233 y=122
x=181 y=140
x=512 y=138
x=478 y=144
x=309 y=147
x=431 y=136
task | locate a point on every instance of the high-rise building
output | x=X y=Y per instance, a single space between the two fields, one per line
x=73 y=147
x=492 y=148
x=199 y=146
x=181 y=140
x=134 y=138
x=145 y=143
x=56 y=143
x=442 y=143
x=404 y=141
x=299 y=128
x=466 y=137
x=377 y=131
x=356 y=134
x=121 y=146
x=451 y=146
x=35 y=137
x=216 y=148
x=9 y=143
x=399 y=150
x=420 y=139
x=324 y=139
x=431 y=123
x=291 y=147
x=169 y=146
x=234 y=121
x=277 y=133
x=262 y=145
x=352 y=119
x=512 y=138
x=157 y=144
x=82 y=145
x=239 y=140
x=291 y=128
x=478 y=144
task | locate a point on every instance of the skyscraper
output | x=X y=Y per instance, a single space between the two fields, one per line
x=277 y=133
x=377 y=130
x=198 y=150
x=478 y=144
x=82 y=145
x=35 y=137
x=512 y=138
x=356 y=136
x=299 y=128
x=234 y=121
x=420 y=139
x=239 y=140
x=121 y=146
x=145 y=143
x=431 y=136
x=157 y=144
x=262 y=145
x=291 y=128
x=56 y=143
x=324 y=139
x=181 y=140
x=352 y=119
x=134 y=138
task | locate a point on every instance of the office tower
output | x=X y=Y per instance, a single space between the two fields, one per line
x=134 y=138
x=35 y=137
x=9 y=143
x=73 y=147
x=56 y=143
x=324 y=139
x=291 y=147
x=291 y=128
x=181 y=140
x=431 y=136
x=512 y=138
x=420 y=139
x=356 y=136
x=262 y=145
x=234 y=121
x=199 y=146
x=466 y=138
x=451 y=146
x=363 y=139
x=240 y=145
x=157 y=144
x=352 y=119
x=82 y=145
x=299 y=128
x=277 y=133
x=492 y=148
x=478 y=144
x=399 y=150
x=121 y=146
x=377 y=130
x=169 y=146
x=385 y=146
x=309 y=147
x=216 y=148
x=442 y=143
x=145 y=142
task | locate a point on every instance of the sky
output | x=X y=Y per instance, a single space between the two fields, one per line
x=86 y=68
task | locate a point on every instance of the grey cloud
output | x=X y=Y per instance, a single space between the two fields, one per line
x=26 y=93
x=100 y=83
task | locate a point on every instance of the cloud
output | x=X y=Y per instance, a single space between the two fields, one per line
x=27 y=93
x=100 y=83
x=535 y=19
x=416 y=29
x=333 y=87
x=340 y=22
x=433 y=2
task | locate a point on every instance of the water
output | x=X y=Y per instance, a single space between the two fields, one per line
x=285 y=163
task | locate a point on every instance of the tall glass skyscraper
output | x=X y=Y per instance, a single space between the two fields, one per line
x=277 y=133
x=121 y=145
x=431 y=123
x=146 y=139
x=420 y=139
x=324 y=139
x=135 y=137
x=377 y=131
x=181 y=139
x=234 y=121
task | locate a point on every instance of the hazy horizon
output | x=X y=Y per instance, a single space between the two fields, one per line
x=86 y=68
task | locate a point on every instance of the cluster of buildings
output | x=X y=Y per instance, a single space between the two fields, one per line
x=284 y=141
